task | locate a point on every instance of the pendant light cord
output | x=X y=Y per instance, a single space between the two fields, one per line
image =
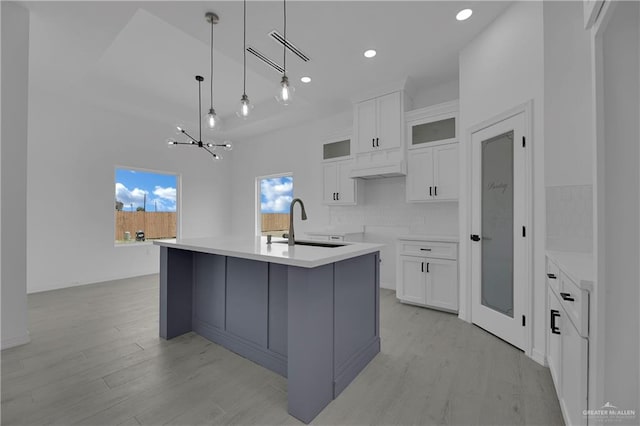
x=200 y=108
x=244 y=51
x=284 y=50
x=211 y=80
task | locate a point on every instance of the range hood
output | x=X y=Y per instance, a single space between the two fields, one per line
x=379 y=170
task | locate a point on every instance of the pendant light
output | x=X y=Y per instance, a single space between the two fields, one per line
x=285 y=92
x=211 y=119
x=208 y=146
x=245 y=106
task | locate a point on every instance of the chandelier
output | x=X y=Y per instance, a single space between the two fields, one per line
x=211 y=118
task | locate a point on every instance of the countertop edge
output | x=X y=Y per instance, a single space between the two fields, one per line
x=330 y=258
x=430 y=238
x=578 y=266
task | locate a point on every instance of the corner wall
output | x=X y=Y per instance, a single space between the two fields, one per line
x=15 y=81
x=503 y=68
x=568 y=139
x=74 y=148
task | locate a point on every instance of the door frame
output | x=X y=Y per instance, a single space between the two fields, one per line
x=527 y=109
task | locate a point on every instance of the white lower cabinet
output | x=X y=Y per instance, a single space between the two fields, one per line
x=568 y=343
x=426 y=279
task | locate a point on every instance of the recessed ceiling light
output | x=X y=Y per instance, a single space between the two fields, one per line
x=305 y=79
x=370 y=53
x=464 y=14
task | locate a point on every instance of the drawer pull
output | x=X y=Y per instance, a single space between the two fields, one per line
x=567 y=297
x=554 y=314
x=552 y=276
x=335 y=238
x=425 y=249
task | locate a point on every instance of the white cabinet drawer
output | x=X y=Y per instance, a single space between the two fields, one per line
x=576 y=303
x=429 y=249
x=553 y=276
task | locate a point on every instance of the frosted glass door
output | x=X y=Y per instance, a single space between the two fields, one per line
x=497 y=223
x=500 y=247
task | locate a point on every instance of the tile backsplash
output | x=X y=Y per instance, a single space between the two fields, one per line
x=384 y=206
x=570 y=218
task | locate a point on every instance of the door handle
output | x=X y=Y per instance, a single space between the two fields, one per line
x=430 y=193
x=373 y=142
x=337 y=196
x=554 y=314
x=567 y=297
x=551 y=276
x=422 y=267
x=377 y=142
x=334 y=196
x=475 y=237
x=427 y=267
x=435 y=191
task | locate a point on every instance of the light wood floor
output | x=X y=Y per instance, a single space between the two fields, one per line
x=95 y=359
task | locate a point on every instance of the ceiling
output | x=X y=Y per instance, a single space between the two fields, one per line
x=141 y=57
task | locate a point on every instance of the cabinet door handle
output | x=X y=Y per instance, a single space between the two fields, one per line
x=554 y=314
x=373 y=142
x=337 y=196
x=567 y=297
x=435 y=191
x=425 y=249
x=551 y=276
x=334 y=196
x=427 y=267
x=430 y=191
x=422 y=267
x=377 y=142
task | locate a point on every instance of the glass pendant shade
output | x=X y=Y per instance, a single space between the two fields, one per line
x=211 y=119
x=285 y=92
x=245 y=107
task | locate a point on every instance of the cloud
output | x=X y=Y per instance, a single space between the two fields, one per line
x=128 y=197
x=276 y=194
x=165 y=193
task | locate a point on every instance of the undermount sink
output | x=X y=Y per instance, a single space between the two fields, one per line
x=313 y=244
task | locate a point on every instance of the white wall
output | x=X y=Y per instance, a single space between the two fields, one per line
x=13 y=152
x=73 y=150
x=568 y=139
x=502 y=68
x=621 y=88
x=383 y=212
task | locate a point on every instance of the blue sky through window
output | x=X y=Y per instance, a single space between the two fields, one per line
x=276 y=194
x=132 y=185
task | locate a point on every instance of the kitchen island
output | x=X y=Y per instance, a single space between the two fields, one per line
x=308 y=313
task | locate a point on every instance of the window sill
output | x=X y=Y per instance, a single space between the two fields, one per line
x=145 y=243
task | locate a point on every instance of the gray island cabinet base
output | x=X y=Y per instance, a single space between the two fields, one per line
x=317 y=326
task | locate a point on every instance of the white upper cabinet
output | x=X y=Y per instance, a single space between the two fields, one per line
x=432 y=152
x=379 y=123
x=338 y=187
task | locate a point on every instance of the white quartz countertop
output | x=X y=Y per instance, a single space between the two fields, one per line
x=579 y=267
x=432 y=238
x=256 y=248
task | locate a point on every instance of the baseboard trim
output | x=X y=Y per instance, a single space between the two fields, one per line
x=15 y=341
x=270 y=360
x=350 y=369
x=539 y=357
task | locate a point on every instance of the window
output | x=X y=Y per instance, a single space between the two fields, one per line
x=275 y=194
x=145 y=205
